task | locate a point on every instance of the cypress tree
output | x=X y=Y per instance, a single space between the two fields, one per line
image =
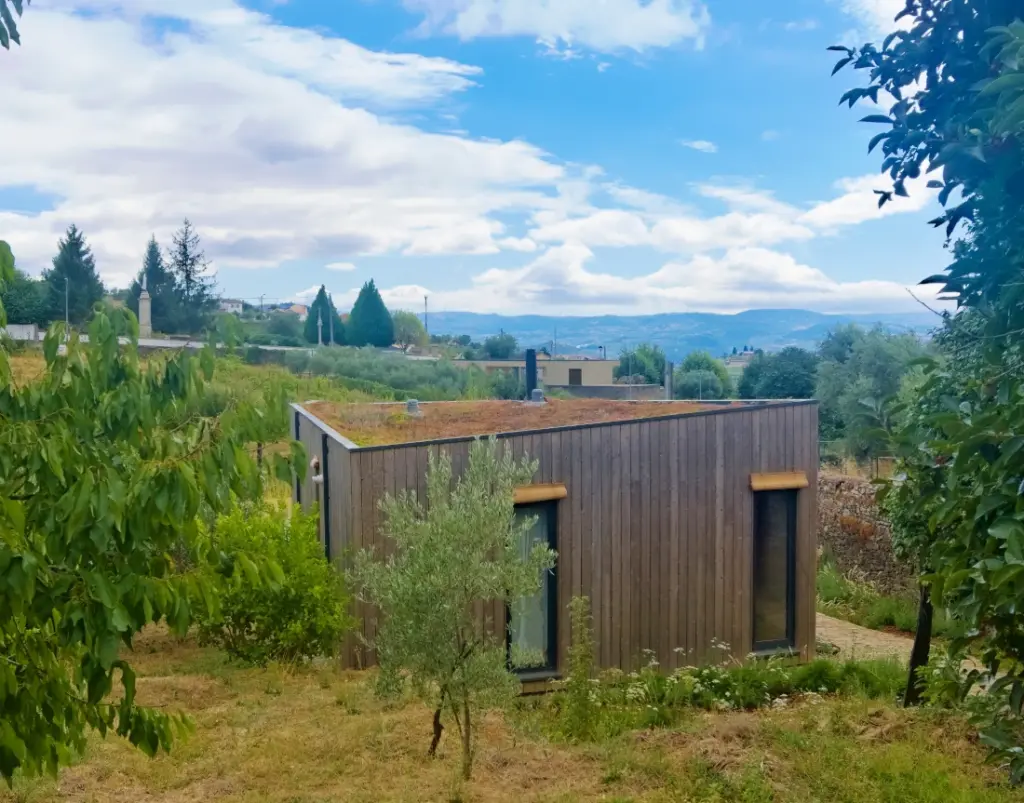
x=166 y=305
x=73 y=272
x=323 y=304
x=370 y=323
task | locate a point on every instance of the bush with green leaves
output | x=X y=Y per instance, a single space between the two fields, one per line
x=302 y=615
x=580 y=712
x=105 y=467
x=453 y=550
x=698 y=385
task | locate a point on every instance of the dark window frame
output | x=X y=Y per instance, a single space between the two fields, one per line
x=549 y=510
x=576 y=373
x=792 y=506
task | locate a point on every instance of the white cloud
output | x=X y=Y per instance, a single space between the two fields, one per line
x=328 y=63
x=606 y=26
x=876 y=17
x=799 y=26
x=342 y=266
x=741 y=278
x=859 y=203
x=702 y=145
x=269 y=166
x=308 y=294
x=770 y=135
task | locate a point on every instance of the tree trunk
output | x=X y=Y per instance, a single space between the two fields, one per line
x=438 y=730
x=467 y=744
x=922 y=647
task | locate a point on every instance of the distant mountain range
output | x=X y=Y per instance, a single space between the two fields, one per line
x=677 y=333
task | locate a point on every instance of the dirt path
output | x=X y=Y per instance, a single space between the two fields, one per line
x=855 y=641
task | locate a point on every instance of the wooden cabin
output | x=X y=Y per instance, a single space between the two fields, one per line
x=689 y=525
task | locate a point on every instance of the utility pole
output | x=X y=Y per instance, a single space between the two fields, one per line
x=261 y=303
x=319 y=327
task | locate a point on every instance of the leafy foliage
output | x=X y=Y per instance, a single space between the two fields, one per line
x=73 y=278
x=457 y=548
x=860 y=366
x=646 y=360
x=651 y=698
x=104 y=468
x=790 y=374
x=956 y=106
x=25 y=300
x=302 y=615
x=427 y=380
x=698 y=385
x=703 y=361
x=321 y=313
x=8 y=27
x=500 y=347
x=409 y=330
x=369 y=323
x=580 y=717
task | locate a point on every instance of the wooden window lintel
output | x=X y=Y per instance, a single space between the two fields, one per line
x=544 y=492
x=779 y=481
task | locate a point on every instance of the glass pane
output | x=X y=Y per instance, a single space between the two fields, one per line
x=528 y=631
x=771 y=567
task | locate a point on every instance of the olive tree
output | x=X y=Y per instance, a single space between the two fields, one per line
x=105 y=465
x=458 y=547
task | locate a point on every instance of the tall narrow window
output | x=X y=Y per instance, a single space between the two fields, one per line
x=575 y=376
x=532 y=621
x=774 y=569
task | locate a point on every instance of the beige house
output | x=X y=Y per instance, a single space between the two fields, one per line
x=554 y=371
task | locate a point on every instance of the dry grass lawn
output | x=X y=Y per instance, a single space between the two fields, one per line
x=319 y=735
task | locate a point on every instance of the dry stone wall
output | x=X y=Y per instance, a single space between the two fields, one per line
x=855 y=533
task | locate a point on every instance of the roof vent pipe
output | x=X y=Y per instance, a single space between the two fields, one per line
x=537 y=396
x=531 y=372
x=412 y=407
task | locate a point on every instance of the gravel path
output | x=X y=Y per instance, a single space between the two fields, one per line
x=855 y=641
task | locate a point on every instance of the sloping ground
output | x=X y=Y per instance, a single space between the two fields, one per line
x=855 y=641
x=319 y=735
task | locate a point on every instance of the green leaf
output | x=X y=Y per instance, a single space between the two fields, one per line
x=877 y=118
x=1005 y=527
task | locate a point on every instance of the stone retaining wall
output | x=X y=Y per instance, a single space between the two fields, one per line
x=854 y=532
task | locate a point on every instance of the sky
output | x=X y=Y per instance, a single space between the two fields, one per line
x=567 y=157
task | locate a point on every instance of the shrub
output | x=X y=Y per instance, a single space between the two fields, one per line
x=581 y=699
x=299 y=617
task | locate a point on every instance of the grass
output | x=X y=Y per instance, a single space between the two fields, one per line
x=319 y=735
x=862 y=604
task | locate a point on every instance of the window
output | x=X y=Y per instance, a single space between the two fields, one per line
x=575 y=376
x=774 y=569
x=532 y=621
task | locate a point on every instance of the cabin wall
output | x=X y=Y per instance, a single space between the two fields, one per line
x=657 y=527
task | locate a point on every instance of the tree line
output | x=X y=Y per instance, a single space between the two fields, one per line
x=183 y=300
x=851 y=371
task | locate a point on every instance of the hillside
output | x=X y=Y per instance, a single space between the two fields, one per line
x=677 y=333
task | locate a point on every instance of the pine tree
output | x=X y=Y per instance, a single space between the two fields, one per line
x=323 y=305
x=74 y=274
x=188 y=264
x=168 y=313
x=370 y=323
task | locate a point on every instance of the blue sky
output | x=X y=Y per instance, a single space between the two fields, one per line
x=558 y=156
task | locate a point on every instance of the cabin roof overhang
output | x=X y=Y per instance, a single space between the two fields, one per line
x=746 y=406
